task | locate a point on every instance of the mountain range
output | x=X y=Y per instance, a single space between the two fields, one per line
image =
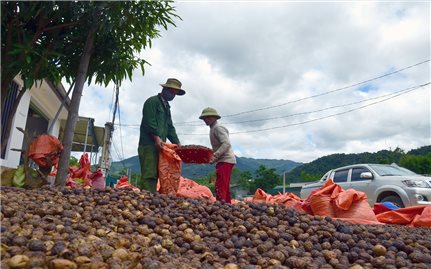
x=297 y=171
x=194 y=171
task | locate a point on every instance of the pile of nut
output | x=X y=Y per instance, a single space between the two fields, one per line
x=121 y=228
x=194 y=154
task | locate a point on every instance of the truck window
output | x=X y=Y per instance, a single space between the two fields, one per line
x=341 y=176
x=356 y=173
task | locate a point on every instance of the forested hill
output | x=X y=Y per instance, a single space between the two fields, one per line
x=202 y=170
x=417 y=160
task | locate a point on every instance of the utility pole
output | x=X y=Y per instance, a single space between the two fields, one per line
x=284 y=182
x=105 y=159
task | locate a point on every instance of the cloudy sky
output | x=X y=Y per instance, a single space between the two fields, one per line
x=292 y=80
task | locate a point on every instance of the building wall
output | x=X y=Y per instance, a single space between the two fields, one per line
x=12 y=158
x=45 y=100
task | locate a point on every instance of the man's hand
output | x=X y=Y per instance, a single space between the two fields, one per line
x=158 y=142
x=212 y=159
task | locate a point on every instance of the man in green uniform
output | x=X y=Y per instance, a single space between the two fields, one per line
x=156 y=127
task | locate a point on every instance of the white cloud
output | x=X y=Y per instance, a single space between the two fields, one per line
x=244 y=56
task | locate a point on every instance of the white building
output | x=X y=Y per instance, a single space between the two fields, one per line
x=36 y=113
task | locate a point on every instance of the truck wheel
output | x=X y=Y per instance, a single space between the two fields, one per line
x=395 y=199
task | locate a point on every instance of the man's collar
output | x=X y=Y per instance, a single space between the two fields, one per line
x=166 y=103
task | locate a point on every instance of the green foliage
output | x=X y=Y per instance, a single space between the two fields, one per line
x=417 y=163
x=26 y=47
x=388 y=157
x=266 y=178
x=236 y=175
x=309 y=177
x=79 y=41
x=320 y=166
x=208 y=181
x=73 y=161
x=45 y=39
x=127 y=27
x=192 y=171
x=420 y=151
x=134 y=178
x=245 y=180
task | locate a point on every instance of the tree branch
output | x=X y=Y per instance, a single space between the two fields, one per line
x=60 y=26
x=40 y=26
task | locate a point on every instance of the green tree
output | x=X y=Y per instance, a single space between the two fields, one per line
x=388 y=157
x=79 y=41
x=420 y=164
x=208 y=181
x=420 y=151
x=245 y=180
x=266 y=178
x=308 y=177
x=73 y=161
x=31 y=34
x=236 y=175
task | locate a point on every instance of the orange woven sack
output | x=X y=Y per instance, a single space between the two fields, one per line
x=321 y=205
x=248 y=199
x=84 y=167
x=189 y=188
x=234 y=201
x=321 y=200
x=288 y=199
x=45 y=146
x=412 y=216
x=305 y=205
x=97 y=179
x=169 y=169
x=353 y=205
x=424 y=219
x=260 y=196
x=123 y=183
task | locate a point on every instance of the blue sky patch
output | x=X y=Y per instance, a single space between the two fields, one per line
x=366 y=88
x=401 y=13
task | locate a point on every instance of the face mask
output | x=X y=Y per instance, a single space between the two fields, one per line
x=168 y=95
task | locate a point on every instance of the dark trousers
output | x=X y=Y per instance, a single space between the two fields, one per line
x=149 y=161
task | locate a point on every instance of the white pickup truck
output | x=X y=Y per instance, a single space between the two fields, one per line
x=381 y=183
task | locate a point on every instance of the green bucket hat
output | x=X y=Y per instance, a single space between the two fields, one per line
x=174 y=83
x=207 y=112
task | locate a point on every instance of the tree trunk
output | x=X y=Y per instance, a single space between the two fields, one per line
x=5 y=139
x=72 y=117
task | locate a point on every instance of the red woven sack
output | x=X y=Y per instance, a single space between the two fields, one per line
x=45 y=146
x=194 y=154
